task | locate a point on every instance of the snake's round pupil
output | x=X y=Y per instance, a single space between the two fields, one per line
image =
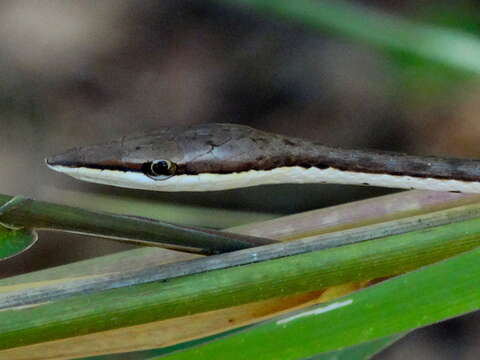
x=160 y=167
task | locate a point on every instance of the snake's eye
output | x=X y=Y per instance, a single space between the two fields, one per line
x=159 y=169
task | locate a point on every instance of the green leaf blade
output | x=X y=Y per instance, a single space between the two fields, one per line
x=14 y=242
x=434 y=293
x=18 y=212
x=363 y=351
x=239 y=285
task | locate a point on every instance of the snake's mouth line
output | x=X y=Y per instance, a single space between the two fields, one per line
x=107 y=165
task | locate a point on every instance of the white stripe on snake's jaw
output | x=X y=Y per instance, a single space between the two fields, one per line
x=281 y=175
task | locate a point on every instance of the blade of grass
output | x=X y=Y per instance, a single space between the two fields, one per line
x=284 y=304
x=14 y=242
x=212 y=290
x=363 y=351
x=57 y=290
x=455 y=49
x=315 y=222
x=355 y=214
x=146 y=354
x=431 y=294
x=42 y=215
x=167 y=332
x=182 y=329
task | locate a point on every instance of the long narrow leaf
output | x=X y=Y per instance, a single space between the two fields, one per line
x=169 y=332
x=234 y=286
x=49 y=292
x=315 y=222
x=28 y=213
x=434 y=293
x=363 y=351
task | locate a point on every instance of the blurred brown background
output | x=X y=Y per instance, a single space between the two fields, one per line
x=75 y=73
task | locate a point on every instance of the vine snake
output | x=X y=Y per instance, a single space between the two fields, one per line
x=225 y=156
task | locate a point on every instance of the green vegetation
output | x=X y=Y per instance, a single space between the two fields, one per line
x=428 y=249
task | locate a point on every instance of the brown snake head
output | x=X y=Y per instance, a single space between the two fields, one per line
x=188 y=154
x=225 y=156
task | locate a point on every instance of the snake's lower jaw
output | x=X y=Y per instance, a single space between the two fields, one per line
x=105 y=177
x=185 y=183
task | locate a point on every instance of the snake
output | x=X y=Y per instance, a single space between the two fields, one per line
x=222 y=156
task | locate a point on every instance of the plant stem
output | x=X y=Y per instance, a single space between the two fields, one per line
x=28 y=213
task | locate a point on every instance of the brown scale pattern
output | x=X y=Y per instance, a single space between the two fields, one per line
x=227 y=148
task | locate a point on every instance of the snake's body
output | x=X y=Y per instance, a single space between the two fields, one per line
x=226 y=156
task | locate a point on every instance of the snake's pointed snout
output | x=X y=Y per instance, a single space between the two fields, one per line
x=51 y=161
x=53 y=164
x=71 y=158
